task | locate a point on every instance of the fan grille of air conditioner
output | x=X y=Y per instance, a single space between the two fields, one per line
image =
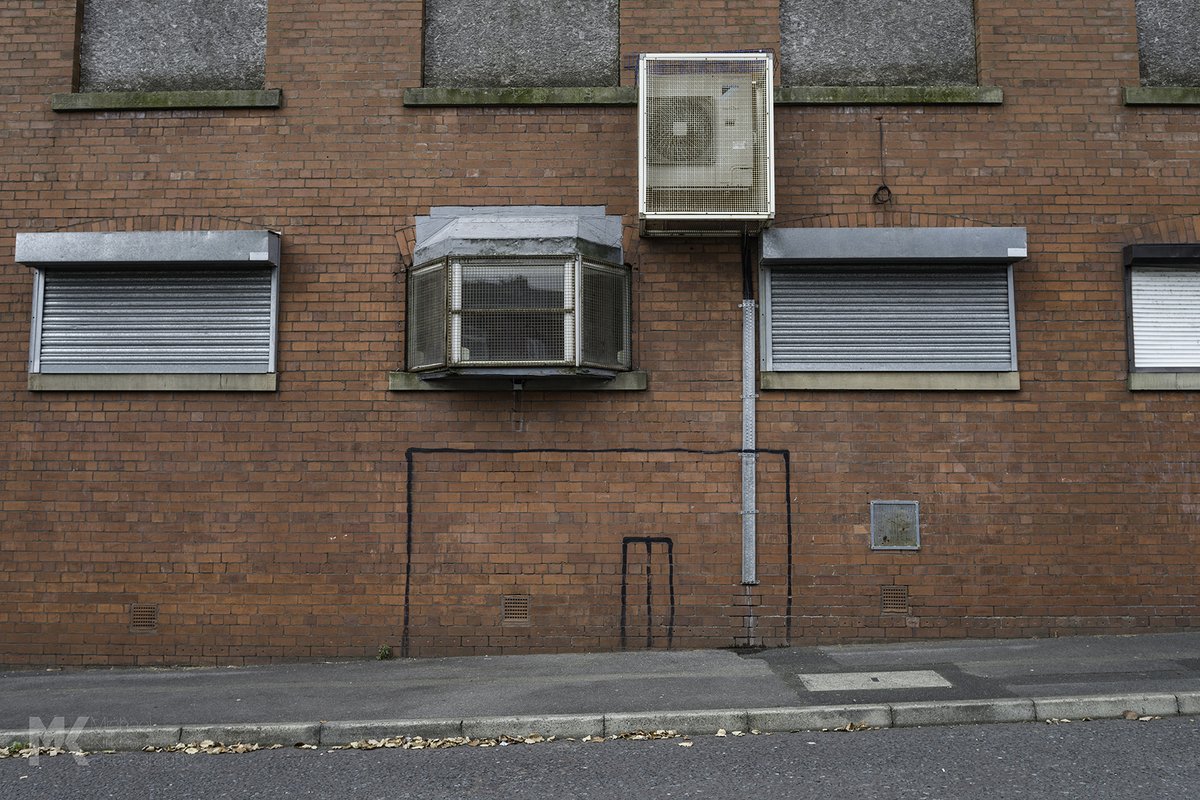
x=680 y=131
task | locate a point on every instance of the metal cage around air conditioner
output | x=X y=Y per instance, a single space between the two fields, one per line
x=519 y=316
x=705 y=143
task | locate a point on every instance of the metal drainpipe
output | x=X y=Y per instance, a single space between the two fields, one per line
x=749 y=431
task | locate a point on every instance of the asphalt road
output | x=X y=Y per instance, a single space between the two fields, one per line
x=1095 y=760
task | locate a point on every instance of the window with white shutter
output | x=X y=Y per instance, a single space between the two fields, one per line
x=1163 y=290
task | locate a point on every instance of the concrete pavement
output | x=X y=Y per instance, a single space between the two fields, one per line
x=576 y=695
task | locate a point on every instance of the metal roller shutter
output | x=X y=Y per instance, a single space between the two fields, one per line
x=156 y=320
x=890 y=319
x=1166 y=317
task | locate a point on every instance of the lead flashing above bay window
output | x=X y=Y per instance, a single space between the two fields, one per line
x=794 y=246
x=164 y=248
x=490 y=231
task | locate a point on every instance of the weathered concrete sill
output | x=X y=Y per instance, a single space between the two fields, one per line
x=895 y=381
x=522 y=96
x=153 y=382
x=1164 y=381
x=146 y=101
x=1162 y=95
x=889 y=95
x=635 y=381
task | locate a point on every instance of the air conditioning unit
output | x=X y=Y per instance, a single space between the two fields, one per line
x=705 y=143
x=518 y=317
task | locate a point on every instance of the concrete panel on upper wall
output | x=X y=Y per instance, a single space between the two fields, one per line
x=877 y=43
x=181 y=45
x=1168 y=49
x=527 y=43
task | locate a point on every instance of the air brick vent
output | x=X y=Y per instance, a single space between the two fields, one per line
x=143 y=617
x=514 y=609
x=893 y=599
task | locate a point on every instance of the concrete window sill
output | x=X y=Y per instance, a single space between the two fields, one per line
x=627 y=95
x=522 y=96
x=889 y=95
x=635 y=381
x=894 y=381
x=147 y=101
x=153 y=382
x=1162 y=95
x=1164 y=381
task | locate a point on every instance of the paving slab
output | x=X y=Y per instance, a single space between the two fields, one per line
x=444 y=688
x=875 y=680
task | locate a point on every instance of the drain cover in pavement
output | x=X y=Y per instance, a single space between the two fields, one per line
x=859 y=681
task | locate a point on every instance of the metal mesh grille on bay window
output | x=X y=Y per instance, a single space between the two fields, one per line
x=604 y=316
x=514 y=312
x=890 y=319
x=156 y=320
x=427 y=317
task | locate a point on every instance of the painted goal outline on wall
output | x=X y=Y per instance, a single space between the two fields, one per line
x=410 y=457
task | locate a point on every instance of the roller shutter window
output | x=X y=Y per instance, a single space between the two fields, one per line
x=1165 y=317
x=154 y=320
x=890 y=319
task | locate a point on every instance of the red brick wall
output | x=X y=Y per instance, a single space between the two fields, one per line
x=274 y=526
x=613 y=548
